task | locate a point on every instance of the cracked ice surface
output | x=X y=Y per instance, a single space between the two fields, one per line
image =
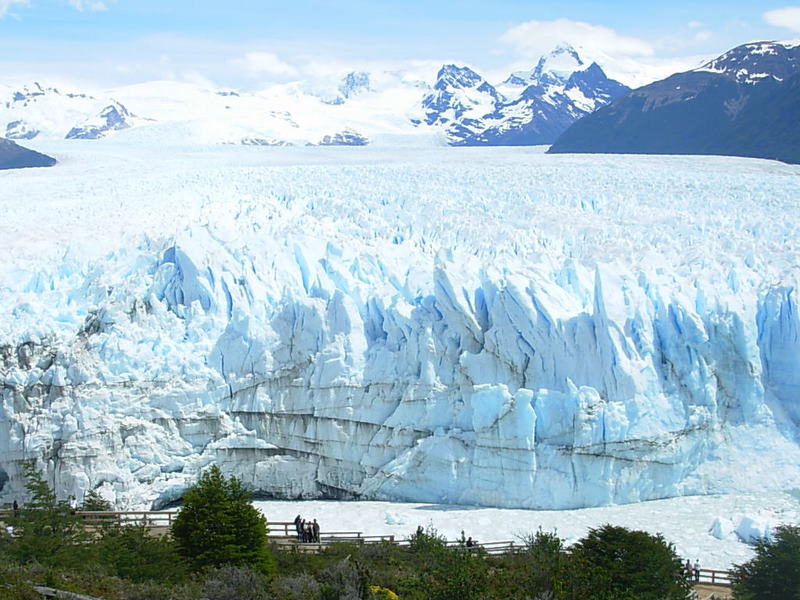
x=472 y=326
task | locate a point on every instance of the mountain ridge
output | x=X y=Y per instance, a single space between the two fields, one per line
x=460 y=107
x=14 y=156
x=725 y=107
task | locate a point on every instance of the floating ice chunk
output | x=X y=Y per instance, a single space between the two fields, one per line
x=394 y=519
x=722 y=528
x=755 y=528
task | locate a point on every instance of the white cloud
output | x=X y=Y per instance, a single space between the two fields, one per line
x=90 y=5
x=695 y=24
x=258 y=64
x=535 y=38
x=6 y=4
x=788 y=18
x=703 y=35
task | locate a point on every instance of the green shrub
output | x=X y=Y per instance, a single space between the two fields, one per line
x=535 y=570
x=235 y=583
x=346 y=580
x=45 y=528
x=14 y=584
x=297 y=587
x=774 y=572
x=444 y=572
x=133 y=553
x=617 y=563
x=217 y=525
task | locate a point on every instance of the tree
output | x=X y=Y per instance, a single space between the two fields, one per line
x=449 y=572
x=543 y=560
x=615 y=562
x=46 y=530
x=217 y=525
x=93 y=501
x=774 y=572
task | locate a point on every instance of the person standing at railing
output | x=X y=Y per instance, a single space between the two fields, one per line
x=15 y=507
x=309 y=532
x=298 y=526
x=315 y=531
x=696 y=570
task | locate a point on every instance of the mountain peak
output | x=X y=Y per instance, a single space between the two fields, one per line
x=353 y=83
x=457 y=77
x=562 y=61
x=757 y=61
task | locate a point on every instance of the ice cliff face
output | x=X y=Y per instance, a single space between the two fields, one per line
x=406 y=328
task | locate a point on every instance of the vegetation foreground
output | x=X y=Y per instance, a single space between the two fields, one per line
x=218 y=550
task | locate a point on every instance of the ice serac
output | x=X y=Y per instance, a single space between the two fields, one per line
x=322 y=342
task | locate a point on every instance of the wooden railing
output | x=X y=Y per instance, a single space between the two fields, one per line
x=149 y=518
x=287 y=530
x=714 y=576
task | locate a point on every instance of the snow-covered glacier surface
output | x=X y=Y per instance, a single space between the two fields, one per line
x=494 y=327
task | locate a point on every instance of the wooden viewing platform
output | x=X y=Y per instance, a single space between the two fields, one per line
x=284 y=532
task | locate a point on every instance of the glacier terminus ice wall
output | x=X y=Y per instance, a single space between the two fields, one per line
x=490 y=327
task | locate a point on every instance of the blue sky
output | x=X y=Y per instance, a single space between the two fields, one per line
x=249 y=43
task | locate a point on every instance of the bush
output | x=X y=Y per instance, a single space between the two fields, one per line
x=133 y=553
x=15 y=584
x=617 y=563
x=535 y=570
x=297 y=587
x=447 y=572
x=774 y=572
x=45 y=529
x=235 y=583
x=346 y=580
x=217 y=525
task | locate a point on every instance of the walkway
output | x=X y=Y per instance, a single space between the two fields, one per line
x=712 y=583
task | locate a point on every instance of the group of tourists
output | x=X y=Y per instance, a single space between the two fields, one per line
x=692 y=571
x=307 y=531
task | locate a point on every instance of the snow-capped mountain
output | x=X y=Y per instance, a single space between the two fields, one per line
x=344 y=138
x=752 y=63
x=113 y=117
x=460 y=108
x=533 y=108
x=552 y=69
x=30 y=111
x=743 y=103
x=353 y=83
x=459 y=101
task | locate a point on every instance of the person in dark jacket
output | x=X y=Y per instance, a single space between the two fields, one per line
x=298 y=527
x=309 y=532
x=315 y=531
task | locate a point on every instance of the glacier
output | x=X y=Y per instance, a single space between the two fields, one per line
x=494 y=327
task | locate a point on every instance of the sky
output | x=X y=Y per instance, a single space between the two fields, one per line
x=250 y=44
